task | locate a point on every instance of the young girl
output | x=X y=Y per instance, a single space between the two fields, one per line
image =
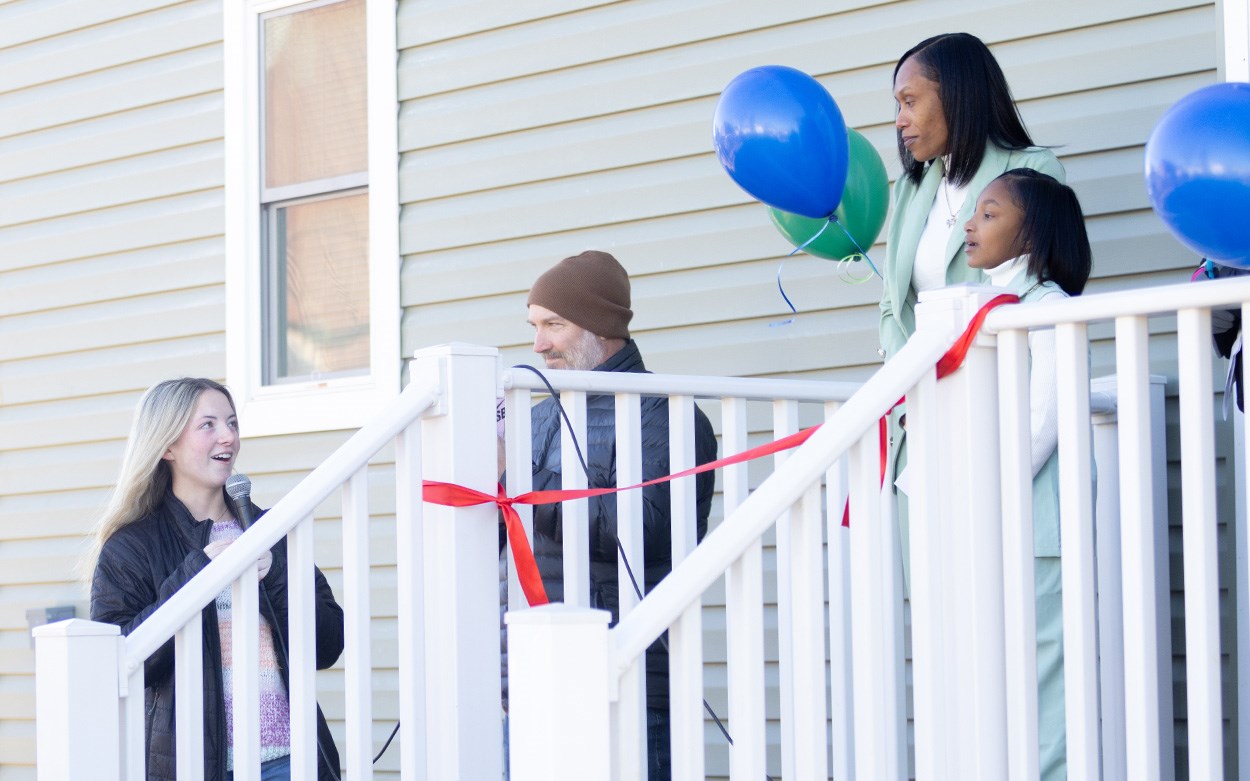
x=167 y=518
x=1028 y=235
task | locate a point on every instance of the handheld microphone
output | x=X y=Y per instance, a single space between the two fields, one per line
x=239 y=489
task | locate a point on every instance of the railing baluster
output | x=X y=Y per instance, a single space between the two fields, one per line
x=1076 y=525
x=1143 y=546
x=1019 y=592
x=744 y=616
x=1109 y=570
x=930 y=691
x=808 y=646
x=302 y=661
x=1201 y=556
x=189 y=708
x=685 y=637
x=841 y=672
x=629 y=716
x=358 y=667
x=409 y=535
x=133 y=750
x=868 y=651
x=245 y=670
x=575 y=513
x=518 y=427
x=785 y=422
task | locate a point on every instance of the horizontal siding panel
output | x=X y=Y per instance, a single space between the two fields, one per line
x=31 y=21
x=1155 y=45
x=551 y=207
x=110 y=44
x=107 y=231
x=92 y=418
x=1078 y=123
x=436 y=20
x=65 y=514
x=822 y=47
x=38 y=564
x=187 y=264
x=96 y=139
x=17 y=661
x=707 y=239
x=143 y=178
x=130 y=321
x=75 y=375
x=1125 y=245
x=16 y=600
x=19 y=756
x=122 y=88
x=64 y=468
x=621 y=30
x=17 y=697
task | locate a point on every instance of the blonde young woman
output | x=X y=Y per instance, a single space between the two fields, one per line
x=168 y=517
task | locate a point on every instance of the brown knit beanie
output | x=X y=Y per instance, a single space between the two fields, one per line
x=590 y=290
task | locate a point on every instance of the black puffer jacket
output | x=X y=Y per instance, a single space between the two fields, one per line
x=600 y=452
x=140 y=568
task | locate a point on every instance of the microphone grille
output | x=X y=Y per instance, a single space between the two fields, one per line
x=239 y=487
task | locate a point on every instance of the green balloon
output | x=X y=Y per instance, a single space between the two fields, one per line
x=865 y=201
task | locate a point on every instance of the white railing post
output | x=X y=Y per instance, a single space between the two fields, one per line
x=461 y=568
x=1109 y=570
x=956 y=553
x=77 y=711
x=558 y=694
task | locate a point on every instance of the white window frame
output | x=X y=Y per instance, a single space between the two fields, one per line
x=332 y=403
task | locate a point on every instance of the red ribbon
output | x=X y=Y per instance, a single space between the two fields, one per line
x=451 y=495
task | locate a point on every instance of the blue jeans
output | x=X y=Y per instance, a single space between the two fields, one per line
x=274 y=770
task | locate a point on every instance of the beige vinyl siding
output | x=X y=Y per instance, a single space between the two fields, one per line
x=528 y=131
x=111 y=276
x=525 y=140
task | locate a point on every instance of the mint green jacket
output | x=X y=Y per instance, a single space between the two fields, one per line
x=1046 y=481
x=909 y=211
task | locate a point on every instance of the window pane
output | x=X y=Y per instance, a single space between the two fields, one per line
x=319 y=291
x=315 y=119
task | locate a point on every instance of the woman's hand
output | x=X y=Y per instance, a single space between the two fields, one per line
x=214 y=549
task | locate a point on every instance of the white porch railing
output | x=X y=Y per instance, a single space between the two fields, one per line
x=90 y=722
x=972 y=610
x=576 y=686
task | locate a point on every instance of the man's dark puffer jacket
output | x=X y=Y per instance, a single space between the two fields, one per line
x=600 y=451
x=141 y=566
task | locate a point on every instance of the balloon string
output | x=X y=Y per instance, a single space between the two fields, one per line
x=784 y=297
x=815 y=236
x=862 y=252
x=781 y=288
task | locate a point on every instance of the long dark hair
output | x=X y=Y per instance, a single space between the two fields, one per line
x=1052 y=229
x=976 y=102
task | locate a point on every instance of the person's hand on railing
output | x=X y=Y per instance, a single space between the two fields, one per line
x=214 y=549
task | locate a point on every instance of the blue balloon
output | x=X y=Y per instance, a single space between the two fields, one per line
x=1198 y=172
x=781 y=137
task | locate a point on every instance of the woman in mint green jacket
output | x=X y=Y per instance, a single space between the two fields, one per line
x=958 y=129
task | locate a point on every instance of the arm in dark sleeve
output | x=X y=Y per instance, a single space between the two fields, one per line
x=121 y=594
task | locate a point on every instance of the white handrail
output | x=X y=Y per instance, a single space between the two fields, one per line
x=1094 y=307
x=290 y=510
x=730 y=540
x=749 y=388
